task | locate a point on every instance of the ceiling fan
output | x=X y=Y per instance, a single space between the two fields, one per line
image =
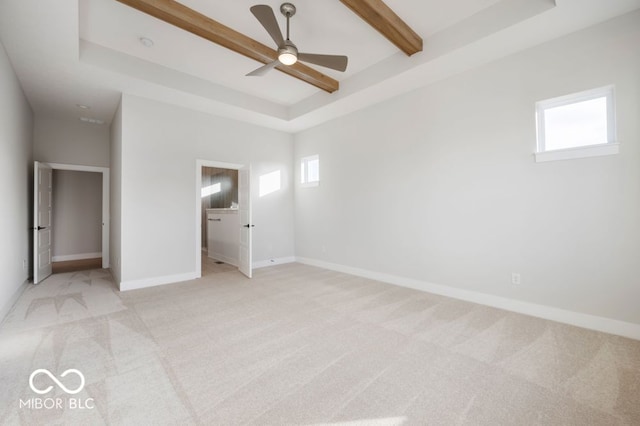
x=287 y=51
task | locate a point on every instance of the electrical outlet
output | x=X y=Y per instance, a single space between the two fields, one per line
x=24 y=264
x=324 y=249
x=515 y=278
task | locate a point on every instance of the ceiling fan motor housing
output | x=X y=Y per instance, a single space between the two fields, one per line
x=288 y=47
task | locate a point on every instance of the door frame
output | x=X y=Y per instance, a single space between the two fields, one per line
x=199 y=165
x=105 y=202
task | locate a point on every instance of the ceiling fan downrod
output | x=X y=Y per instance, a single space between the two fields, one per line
x=288 y=10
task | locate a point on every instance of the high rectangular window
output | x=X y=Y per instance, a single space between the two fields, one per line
x=577 y=125
x=310 y=170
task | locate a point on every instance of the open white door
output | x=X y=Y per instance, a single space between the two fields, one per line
x=42 y=196
x=246 y=227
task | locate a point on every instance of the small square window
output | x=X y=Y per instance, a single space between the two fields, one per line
x=310 y=170
x=576 y=126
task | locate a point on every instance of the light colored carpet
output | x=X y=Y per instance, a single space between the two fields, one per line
x=302 y=345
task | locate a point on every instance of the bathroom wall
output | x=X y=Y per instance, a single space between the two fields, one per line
x=221 y=185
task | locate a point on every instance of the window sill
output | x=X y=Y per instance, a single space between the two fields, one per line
x=580 y=152
x=309 y=184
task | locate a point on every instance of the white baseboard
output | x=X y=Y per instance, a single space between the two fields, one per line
x=271 y=262
x=80 y=256
x=592 y=322
x=152 y=282
x=4 y=310
x=170 y=279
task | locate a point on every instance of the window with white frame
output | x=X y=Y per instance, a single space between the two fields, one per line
x=577 y=125
x=310 y=170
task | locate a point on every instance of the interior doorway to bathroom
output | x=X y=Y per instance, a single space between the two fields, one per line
x=224 y=229
x=220 y=234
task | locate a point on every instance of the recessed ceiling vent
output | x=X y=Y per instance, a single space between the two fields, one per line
x=91 y=120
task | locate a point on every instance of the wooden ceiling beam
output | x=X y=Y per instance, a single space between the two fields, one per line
x=196 y=23
x=380 y=16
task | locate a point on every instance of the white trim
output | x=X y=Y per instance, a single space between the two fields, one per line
x=573 y=98
x=199 y=165
x=219 y=164
x=4 y=310
x=592 y=322
x=80 y=256
x=272 y=262
x=106 y=221
x=78 y=167
x=155 y=281
x=578 y=152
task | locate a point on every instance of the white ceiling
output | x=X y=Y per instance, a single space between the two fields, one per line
x=69 y=52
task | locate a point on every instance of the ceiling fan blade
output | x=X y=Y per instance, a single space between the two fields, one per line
x=335 y=62
x=267 y=18
x=263 y=69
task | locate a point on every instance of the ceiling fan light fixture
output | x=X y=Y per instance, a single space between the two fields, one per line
x=287 y=58
x=288 y=54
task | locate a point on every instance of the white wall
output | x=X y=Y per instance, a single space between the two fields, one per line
x=71 y=142
x=160 y=146
x=115 y=200
x=77 y=215
x=440 y=185
x=16 y=170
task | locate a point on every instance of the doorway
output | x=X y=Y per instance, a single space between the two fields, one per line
x=223 y=218
x=220 y=222
x=76 y=221
x=43 y=232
